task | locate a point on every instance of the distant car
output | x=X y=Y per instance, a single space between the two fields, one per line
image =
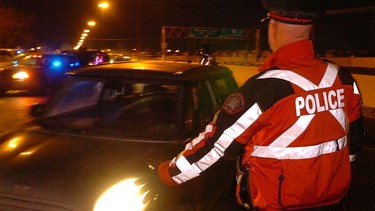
x=37 y=72
x=7 y=54
x=118 y=57
x=108 y=124
x=87 y=56
x=92 y=54
x=14 y=60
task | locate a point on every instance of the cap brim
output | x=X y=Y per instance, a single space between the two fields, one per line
x=289 y=20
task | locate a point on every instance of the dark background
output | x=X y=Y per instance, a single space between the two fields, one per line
x=59 y=23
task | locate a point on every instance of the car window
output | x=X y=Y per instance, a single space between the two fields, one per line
x=6 y=53
x=31 y=60
x=19 y=57
x=82 y=94
x=132 y=108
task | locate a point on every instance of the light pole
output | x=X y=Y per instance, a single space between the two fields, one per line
x=138 y=28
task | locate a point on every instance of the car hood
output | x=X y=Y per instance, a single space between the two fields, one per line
x=15 y=68
x=71 y=170
x=6 y=65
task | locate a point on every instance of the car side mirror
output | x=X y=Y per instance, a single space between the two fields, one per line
x=37 y=109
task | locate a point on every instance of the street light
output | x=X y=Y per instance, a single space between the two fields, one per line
x=103 y=5
x=84 y=35
x=91 y=23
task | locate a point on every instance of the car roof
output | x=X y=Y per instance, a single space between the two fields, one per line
x=48 y=54
x=10 y=49
x=152 y=70
x=12 y=52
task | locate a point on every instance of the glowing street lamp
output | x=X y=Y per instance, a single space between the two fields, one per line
x=91 y=23
x=103 y=5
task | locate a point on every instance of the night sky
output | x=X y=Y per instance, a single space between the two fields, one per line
x=60 y=22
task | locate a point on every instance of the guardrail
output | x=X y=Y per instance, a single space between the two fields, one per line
x=250 y=59
x=360 y=70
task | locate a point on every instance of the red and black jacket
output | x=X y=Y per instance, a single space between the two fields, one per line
x=298 y=121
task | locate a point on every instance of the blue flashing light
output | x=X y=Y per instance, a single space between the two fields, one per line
x=77 y=64
x=56 y=63
x=18 y=51
x=72 y=65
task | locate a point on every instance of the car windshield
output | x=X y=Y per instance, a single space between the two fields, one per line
x=130 y=108
x=32 y=60
x=19 y=57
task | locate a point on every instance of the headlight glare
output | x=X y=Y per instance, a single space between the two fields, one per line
x=121 y=196
x=20 y=75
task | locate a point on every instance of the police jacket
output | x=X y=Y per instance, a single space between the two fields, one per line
x=298 y=123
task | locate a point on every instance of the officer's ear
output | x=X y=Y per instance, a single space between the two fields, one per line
x=272 y=34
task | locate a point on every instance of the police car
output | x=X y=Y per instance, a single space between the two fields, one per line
x=104 y=128
x=37 y=72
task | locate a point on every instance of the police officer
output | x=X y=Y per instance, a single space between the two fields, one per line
x=298 y=122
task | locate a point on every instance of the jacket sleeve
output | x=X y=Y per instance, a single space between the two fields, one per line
x=356 y=133
x=356 y=124
x=220 y=139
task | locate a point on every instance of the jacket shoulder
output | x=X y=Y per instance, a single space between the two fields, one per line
x=266 y=91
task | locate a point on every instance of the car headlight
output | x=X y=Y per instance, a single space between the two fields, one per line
x=121 y=196
x=20 y=75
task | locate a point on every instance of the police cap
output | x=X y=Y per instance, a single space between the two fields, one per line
x=294 y=11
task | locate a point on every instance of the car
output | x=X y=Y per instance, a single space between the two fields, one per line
x=118 y=57
x=14 y=61
x=87 y=56
x=108 y=125
x=37 y=72
x=6 y=54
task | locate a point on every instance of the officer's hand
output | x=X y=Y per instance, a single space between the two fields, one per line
x=152 y=186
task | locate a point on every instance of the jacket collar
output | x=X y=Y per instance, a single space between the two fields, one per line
x=296 y=52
